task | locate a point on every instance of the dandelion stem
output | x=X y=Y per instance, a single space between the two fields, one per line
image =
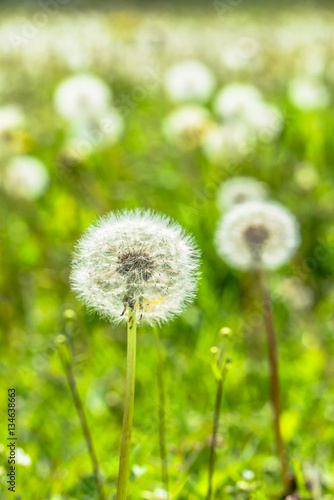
x=274 y=377
x=162 y=419
x=128 y=406
x=68 y=368
x=215 y=427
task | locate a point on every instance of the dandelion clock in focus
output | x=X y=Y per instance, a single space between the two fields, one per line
x=130 y=267
x=139 y=260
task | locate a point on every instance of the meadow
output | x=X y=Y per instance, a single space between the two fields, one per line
x=175 y=164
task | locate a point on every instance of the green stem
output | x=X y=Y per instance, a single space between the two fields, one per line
x=67 y=364
x=215 y=427
x=162 y=419
x=128 y=406
x=274 y=378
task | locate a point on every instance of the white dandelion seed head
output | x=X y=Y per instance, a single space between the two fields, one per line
x=236 y=99
x=100 y=133
x=308 y=94
x=138 y=259
x=26 y=177
x=189 y=81
x=306 y=175
x=257 y=234
x=81 y=97
x=11 y=118
x=22 y=457
x=187 y=125
x=160 y=494
x=228 y=142
x=266 y=120
x=293 y=291
x=240 y=189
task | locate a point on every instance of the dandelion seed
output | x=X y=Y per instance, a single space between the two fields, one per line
x=257 y=234
x=238 y=190
x=189 y=81
x=26 y=177
x=138 y=259
x=82 y=97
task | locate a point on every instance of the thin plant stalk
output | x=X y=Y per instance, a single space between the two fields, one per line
x=68 y=368
x=123 y=473
x=215 y=426
x=274 y=378
x=162 y=416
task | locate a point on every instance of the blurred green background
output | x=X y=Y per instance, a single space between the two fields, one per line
x=131 y=49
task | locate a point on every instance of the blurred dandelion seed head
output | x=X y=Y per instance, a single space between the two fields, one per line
x=309 y=94
x=238 y=190
x=11 y=118
x=228 y=142
x=187 y=125
x=138 y=259
x=257 y=234
x=236 y=99
x=81 y=97
x=189 y=81
x=26 y=177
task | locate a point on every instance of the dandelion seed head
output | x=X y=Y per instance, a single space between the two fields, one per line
x=138 y=259
x=160 y=494
x=26 y=177
x=189 y=81
x=97 y=134
x=11 y=118
x=266 y=120
x=257 y=234
x=238 y=190
x=81 y=97
x=306 y=175
x=236 y=99
x=308 y=94
x=187 y=125
x=228 y=142
x=297 y=295
x=22 y=458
